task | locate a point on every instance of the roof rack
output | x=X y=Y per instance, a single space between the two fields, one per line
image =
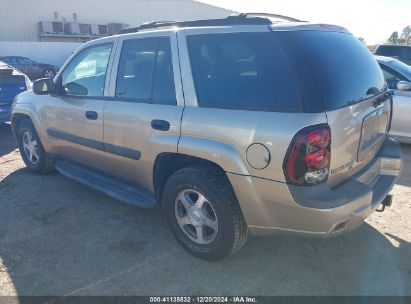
x=241 y=19
x=275 y=16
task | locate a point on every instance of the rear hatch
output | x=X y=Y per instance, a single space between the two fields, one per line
x=11 y=84
x=353 y=95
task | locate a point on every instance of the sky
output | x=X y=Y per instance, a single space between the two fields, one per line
x=373 y=20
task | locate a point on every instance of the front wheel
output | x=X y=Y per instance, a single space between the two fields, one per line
x=203 y=213
x=31 y=149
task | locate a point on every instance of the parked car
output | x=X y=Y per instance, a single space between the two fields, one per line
x=398 y=77
x=400 y=52
x=12 y=82
x=231 y=125
x=31 y=68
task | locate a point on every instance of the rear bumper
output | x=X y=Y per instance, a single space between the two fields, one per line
x=271 y=207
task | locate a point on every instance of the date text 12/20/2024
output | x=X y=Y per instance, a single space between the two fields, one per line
x=240 y=299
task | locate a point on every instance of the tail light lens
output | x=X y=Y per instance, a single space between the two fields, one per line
x=308 y=158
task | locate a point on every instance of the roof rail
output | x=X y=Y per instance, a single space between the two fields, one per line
x=276 y=16
x=240 y=19
x=230 y=20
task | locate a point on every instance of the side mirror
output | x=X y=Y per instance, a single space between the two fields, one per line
x=404 y=85
x=43 y=86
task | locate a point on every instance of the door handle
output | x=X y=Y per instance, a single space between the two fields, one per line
x=91 y=115
x=161 y=125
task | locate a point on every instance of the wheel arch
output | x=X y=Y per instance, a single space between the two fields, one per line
x=166 y=164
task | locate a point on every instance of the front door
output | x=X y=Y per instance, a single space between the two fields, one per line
x=143 y=115
x=74 y=116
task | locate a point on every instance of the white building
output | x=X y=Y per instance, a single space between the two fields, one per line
x=77 y=21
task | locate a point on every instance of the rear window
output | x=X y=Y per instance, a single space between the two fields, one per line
x=390 y=51
x=345 y=70
x=244 y=71
x=12 y=80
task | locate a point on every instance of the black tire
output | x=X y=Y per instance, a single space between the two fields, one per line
x=49 y=73
x=44 y=163
x=214 y=185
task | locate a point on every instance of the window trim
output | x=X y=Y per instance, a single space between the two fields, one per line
x=58 y=83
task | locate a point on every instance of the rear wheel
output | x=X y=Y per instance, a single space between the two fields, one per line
x=49 y=73
x=203 y=213
x=31 y=149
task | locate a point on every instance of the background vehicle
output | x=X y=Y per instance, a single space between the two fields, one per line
x=232 y=125
x=32 y=69
x=12 y=82
x=400 y=52
x=398 y=77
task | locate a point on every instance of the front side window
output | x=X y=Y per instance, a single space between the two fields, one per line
x=243 y=71
x=392 y=78
x=85 y=75
x=145 y=72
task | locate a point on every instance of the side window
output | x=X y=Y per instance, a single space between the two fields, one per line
x=85 y=75
x=244 y=71
x=391 y=77
x=390 y=51
x=406 y=53
x=163 y=80
x=145 y=72
x=9 y=60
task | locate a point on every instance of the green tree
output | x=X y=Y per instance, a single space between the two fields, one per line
x=393 y=38
x=406 y=34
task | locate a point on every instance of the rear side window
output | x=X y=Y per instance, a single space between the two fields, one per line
x=145 y=72
x=244 y=71
x=345 y=70
x=406 y=53
x=390 y=51
x=12 y=79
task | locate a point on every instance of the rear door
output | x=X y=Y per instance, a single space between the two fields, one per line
x=142 y=116
x=242 y=99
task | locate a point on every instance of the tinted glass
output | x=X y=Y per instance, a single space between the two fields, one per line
x=390 y=51
x=163 y=80
x=9 y=60
x=86 y=73
x=391 y=77
x=135 y=71
x=246 y=71
x=12 y=80
x=146 y=72
x=406 y=53
x=345 y=70
x=402 y=68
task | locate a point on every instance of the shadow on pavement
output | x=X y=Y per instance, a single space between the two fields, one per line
x=405 y=178
x=60 y=238
x=7 y=141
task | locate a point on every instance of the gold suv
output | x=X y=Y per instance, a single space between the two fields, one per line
x=231 y=125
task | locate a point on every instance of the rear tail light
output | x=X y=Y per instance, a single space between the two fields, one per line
x=308 y=158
